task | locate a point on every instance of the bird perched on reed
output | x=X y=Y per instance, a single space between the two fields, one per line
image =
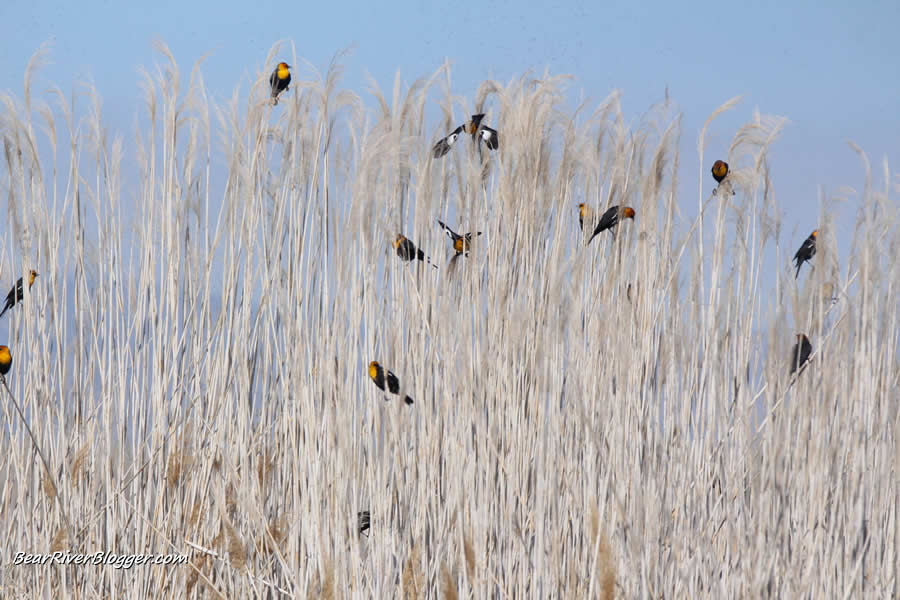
x=407 y=251
x=474 y=127
x=379 y=375
x=720 y=173
x=460 y=242
x=363 y=521
x=583 y=212
x=17 y=293
x=720 y=170
x=5 y=360
x=806 y=251
x=280 y=80
x=610 y=219
x=800 y=353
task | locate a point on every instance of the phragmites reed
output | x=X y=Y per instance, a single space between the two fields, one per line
x=190 y=369
x=448 y=584
x=413 y=579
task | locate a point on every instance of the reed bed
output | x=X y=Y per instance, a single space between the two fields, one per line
x=610 y=420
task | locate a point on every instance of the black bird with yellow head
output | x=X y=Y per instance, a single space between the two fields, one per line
x=379 y=375
x=719 y=170
x=806 y=252
x=407 y=250
x=611 y=217
x=460 y=242
x=5 y=360
x=16 y=294
x=280 y=80
x=475 y=128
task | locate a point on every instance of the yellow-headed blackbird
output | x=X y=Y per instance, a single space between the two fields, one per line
x=460 y=242
x=363 y=520
x=610 y=219
x=482 y=132
x=479 y=133
x=280 y=80
x=16 y=294
x=719 y=170
x=377 y=374
x=800 y=353
x=444 y=144
x=407 y=251
x=806 y=251
x=5 y=360
x=583 y=212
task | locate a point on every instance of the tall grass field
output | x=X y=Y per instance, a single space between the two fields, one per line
x=605 y=420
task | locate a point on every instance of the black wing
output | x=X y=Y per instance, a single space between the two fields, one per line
x=393 y=383
x=800 y=355
x=609 y=219
x=491 y=137
x=444 y=144
x=805 y=253
x=364 y=520
x=450 y=233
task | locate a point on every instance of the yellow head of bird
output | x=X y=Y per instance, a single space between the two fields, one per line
x=628 y=213
x=31 y=277
x=582 y=210
x=459 y=244
x=720 y=169
x=5 y=360
x=373 y=369
x=399 y=240
x=815 y=233
x=284 y=70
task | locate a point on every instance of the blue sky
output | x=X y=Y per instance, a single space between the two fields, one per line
x=833 y=72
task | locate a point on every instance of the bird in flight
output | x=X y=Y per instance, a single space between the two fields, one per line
x=460 y=242
x=475 y=128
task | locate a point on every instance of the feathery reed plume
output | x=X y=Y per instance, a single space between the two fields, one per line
x=60 y=540
x=469 y=553
x=235 y=280
x=448 y=583
x=48 y=486
x=606 y=570
x=199 y=566
x=179 y=462
x=78 y=463
x=327 y=592
x=264 y=465
x=412 y=580
x=236 y=552
x=194 y=516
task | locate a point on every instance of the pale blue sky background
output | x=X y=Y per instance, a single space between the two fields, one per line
x=834 y=72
